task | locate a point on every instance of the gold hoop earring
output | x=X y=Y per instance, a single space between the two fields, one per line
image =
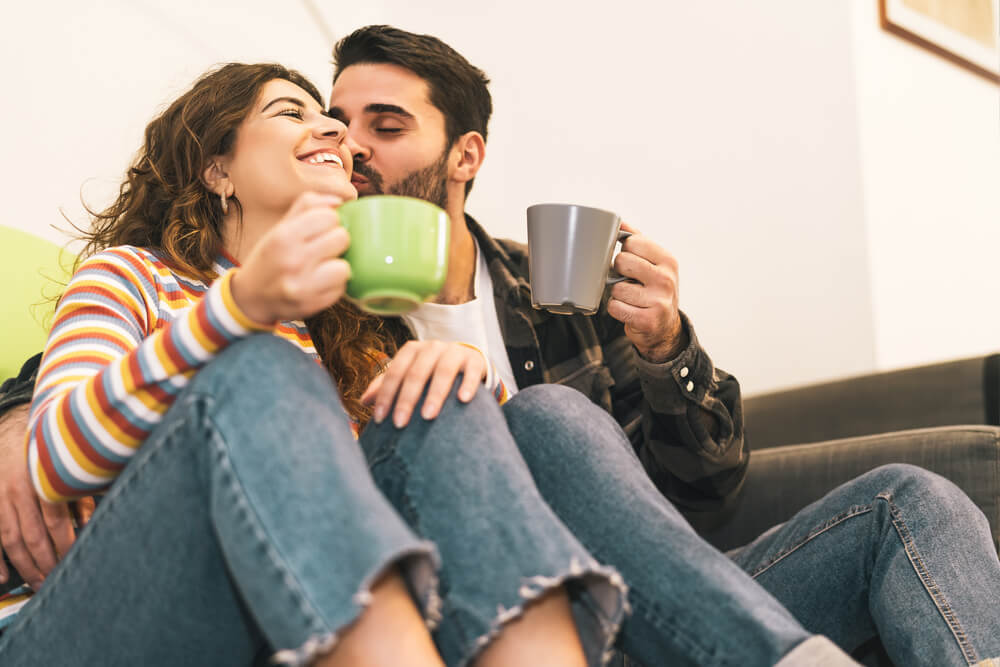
x=225 y=204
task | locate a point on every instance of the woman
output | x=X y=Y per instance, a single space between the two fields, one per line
x=239 y=518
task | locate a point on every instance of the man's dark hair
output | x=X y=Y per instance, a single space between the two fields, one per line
x=458 y=89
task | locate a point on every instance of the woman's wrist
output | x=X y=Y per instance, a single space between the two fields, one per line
x=246 y=300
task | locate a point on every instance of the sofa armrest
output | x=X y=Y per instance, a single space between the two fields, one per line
x=957 y=392
x=783 y=480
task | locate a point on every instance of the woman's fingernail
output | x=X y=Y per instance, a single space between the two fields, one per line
x=379 y=414
x=430 y=409
x=399 y=419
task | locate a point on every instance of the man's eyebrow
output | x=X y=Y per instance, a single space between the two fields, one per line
x=388 y=108
x=376 y=107
x=294 y=100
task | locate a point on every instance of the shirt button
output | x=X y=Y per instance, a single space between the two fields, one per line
x=684 y=372
x=690 y=386
x=529 y=365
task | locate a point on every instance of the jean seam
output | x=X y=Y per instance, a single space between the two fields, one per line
x=779 y=556
x=931 y=586
x=317 y=622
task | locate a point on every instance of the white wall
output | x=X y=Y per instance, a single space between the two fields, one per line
x=930 y=147
x=729 y=135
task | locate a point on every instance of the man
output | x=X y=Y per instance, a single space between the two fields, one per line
x=417 y=115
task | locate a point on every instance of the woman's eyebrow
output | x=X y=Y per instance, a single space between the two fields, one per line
x=294 y=100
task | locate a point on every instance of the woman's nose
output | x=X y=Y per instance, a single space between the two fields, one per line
x=332 y=128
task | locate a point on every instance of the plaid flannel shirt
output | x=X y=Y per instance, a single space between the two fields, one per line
x=683 y=417
x=17 y=391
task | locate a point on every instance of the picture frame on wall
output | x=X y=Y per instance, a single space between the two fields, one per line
x=965 y=32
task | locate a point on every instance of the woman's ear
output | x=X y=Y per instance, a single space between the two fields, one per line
x=471 y=150
x=216 y=178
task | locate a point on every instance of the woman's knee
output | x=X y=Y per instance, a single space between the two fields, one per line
x=262 y=365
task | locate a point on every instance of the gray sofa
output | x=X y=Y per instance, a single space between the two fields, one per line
x=943 y=417
x=805 y=441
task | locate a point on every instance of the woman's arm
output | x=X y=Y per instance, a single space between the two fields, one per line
x=109 y=373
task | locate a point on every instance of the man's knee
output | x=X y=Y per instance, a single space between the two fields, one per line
x=559 y=405
x=905 y=484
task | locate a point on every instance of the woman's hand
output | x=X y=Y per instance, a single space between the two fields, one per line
x=416 y=363
x=295 y=269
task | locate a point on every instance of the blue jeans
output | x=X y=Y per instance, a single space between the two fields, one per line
x=248 y=526
x=898 y=552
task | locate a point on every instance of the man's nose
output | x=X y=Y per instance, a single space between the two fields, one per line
x=359 y=152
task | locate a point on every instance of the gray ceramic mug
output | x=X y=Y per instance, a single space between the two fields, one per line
x=569 y=256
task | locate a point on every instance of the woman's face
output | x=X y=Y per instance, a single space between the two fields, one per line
x=287 y=145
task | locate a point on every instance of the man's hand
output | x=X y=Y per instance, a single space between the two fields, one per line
x=416 y=363
x=647 y=303
x=34 y=534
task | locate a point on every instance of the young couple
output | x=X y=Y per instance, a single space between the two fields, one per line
x=483 y=515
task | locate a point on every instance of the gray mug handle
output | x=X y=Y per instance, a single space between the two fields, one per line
x=613 y=276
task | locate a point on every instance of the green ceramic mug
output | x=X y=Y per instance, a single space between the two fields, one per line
x=398 y=252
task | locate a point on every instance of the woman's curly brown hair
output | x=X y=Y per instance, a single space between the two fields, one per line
x=164 y=205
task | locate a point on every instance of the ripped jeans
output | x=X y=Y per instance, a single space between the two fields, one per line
x=248 y=528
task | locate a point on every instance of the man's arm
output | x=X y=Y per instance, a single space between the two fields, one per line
x=690 y=432
x=33 y=534
x=683 y=416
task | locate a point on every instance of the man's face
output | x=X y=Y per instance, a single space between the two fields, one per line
x=397 y=137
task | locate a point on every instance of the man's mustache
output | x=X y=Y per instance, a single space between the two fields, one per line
x=374 y=178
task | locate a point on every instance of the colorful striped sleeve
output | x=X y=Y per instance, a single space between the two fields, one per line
x=108 y=376
x=493 y=383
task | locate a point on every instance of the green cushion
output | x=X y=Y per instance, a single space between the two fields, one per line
x=33 y=271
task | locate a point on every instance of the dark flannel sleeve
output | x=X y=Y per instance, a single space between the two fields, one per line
x=684 y=418
x=16 y=391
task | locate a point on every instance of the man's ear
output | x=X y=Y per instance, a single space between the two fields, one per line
x=216 y=177
x=470 y=149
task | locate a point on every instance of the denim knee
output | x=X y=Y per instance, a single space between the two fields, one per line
x=911 y=487
x=263 y=370
x=552 y=407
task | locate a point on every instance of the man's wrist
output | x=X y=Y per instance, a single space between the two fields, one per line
x=669 y=349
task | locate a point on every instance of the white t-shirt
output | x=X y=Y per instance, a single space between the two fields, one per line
x=474 y=323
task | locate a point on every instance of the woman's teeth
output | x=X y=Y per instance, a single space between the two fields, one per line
x=320 y=158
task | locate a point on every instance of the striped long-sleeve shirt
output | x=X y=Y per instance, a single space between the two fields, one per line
x=128 y=335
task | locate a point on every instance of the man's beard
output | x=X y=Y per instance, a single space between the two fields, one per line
x=429 y=183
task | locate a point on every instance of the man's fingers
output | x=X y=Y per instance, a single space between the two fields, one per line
x=83 y=509
x=634 y=294
x=21 y=561
x=58 y=520
x=36 y=540
x=632 y=266
x=648 y=249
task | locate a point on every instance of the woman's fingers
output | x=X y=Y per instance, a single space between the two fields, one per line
x=417 y=377
x=448 y=367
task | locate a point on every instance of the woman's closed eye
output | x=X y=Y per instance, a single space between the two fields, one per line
x=294 y=112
